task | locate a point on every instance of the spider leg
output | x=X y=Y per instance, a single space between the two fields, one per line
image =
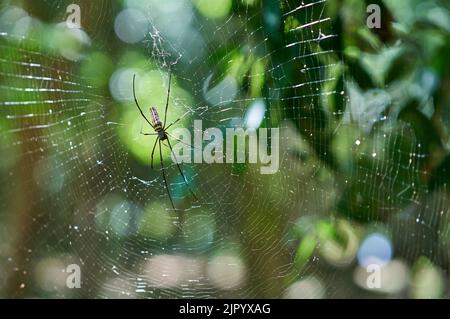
x=164 y=175
x=137 y=104
x=168 y=96
x=181 y=172
x=177 y=120
x=152 y=133
x=153 y=151
x=175 y=138
x=174 y=122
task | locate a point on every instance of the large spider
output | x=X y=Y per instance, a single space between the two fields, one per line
x=162 y=135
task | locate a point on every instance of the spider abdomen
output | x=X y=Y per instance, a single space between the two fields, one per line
x=156 y=121
x=157 y=124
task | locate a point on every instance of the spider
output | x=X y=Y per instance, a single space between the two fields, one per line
x=160 y=129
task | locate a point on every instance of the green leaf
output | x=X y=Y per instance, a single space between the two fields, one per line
x=305 y=250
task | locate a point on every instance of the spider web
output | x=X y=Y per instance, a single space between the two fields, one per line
x=79 y=195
